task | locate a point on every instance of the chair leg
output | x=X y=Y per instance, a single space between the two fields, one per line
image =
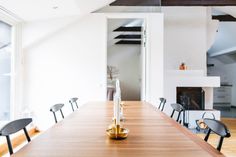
x=9 y=145
x=72 y=106
x=220 y=143
x=207 y=135
x=180 y=122
x=62 y=114
x=177 y=120
x=27 y=135
x=172 y=114
x=76 y=104
x=159 y=106
x=163 y=107
x=55 y=117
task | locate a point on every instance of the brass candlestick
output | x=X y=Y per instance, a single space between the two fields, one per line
x=116 y=131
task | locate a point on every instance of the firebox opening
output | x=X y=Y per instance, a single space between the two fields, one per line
x=192 y=98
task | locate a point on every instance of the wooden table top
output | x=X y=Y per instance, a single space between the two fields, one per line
x=152 y=134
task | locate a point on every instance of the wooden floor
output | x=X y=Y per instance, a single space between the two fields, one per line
x=229 y=145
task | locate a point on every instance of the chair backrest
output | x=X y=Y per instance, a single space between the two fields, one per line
x=162 y=104
x=13 y=127
x=55 y=108
x=177 y=108
x=73 y=101
x=217 y=127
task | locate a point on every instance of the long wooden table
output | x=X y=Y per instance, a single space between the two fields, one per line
x=152 y=134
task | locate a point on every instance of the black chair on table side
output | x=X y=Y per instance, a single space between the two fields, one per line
x=217 y=127
x=177 y=108
x=73 y=101
x=162 y=104
x=14 y=127
x=55 y=108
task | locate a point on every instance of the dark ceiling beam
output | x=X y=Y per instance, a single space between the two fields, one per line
x=135 y=3
x=174 y=3
x=128 y=42
x=128 y=29
x=198 y=3
x=224 y=18
x=129 y=36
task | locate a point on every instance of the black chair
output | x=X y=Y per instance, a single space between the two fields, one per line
x=177 y=108
x=217 y=127
x=162 y=104
x=73 y=101
x=55 y=108
x=14 y=127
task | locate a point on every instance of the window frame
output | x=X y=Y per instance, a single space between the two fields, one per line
x=16 y=62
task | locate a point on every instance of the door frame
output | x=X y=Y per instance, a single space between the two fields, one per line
x=144 y=55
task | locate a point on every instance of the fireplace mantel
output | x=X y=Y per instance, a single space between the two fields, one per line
x=191 y=78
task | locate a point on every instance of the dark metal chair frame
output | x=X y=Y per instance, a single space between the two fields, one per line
x=177 y=108
x=162 y=104
x=217 y=127
x=13 y=127
x=55 y=108
x=73 y=101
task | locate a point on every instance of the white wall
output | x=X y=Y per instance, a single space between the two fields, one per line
x=154 y=58
x=185 y=37
x=66 y=60
x=185 y=40
x=69 y=62
x=126 y=58
x=212 y=28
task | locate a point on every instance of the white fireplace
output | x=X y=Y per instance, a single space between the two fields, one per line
x=190 y=78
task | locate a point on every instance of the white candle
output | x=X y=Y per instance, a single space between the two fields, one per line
x=117 y=84
x=114 y=105
x=117 y=100
x=118 y=112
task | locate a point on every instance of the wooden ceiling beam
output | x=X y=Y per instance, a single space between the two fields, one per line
x=128 y=29
x=198 y=3
x=174 y=3
x=128 y=42
x=135 y=3
x=129 y=36
x=224 y=18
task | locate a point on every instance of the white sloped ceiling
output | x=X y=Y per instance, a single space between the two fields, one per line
x=224 y=46
x=29 y=10
x=228 y=10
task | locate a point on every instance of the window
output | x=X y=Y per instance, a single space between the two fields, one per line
x=5 y=70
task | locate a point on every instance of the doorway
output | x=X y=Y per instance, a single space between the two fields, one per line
x=126 y=57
